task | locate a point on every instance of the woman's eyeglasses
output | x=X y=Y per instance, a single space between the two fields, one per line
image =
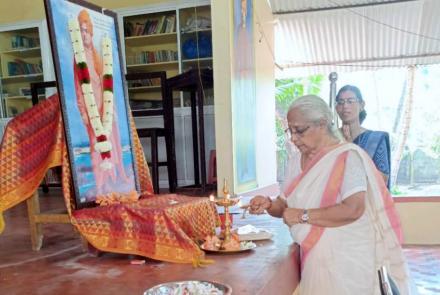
x=296 y=131
x=349 y=101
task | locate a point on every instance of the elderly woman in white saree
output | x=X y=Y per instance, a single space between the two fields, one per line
x=338 y=209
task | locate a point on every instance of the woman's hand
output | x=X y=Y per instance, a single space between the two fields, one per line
x=346 y=132
x=292 y=216
x=259 y=204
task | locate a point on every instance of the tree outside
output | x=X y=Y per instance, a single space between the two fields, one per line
x=287 y=90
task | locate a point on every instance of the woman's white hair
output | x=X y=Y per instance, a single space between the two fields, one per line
x=314 y=109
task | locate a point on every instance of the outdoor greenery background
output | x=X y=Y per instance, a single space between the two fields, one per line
x=402 y=101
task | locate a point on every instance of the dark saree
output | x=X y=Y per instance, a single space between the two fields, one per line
x=377 y=145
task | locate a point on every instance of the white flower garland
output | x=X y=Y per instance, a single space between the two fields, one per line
x=102 y=127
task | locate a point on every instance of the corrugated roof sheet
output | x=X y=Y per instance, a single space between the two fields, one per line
x=397 y=34
x=282 y=6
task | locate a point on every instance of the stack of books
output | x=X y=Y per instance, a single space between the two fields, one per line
x=18 y=42
x=162 y=25
x=20 y=67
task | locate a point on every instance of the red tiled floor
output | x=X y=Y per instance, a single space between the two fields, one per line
x=61 y=267
x=424 y=267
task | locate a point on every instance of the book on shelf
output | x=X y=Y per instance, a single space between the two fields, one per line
x=137 y=105
x=150 y=27
x=128 y=29
x=20 y=67
x=149 y=57
x=139 y=29
x=170 y=24
x=18 y=42
x=162 y=25
x=26 y=91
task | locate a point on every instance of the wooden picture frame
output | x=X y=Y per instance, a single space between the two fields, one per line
x=91 y=85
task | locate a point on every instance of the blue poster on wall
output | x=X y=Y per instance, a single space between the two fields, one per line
x=244 y=97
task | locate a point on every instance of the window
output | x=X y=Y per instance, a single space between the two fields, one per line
x=404 y=102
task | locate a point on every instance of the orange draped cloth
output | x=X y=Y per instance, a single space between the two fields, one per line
x=162 y=227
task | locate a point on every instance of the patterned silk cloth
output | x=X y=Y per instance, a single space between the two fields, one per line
x=162 y=227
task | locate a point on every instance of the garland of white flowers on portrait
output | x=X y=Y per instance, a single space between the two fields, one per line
x=102 y=126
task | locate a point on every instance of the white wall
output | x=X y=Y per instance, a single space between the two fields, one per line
x=420 y=221
x=221 y=48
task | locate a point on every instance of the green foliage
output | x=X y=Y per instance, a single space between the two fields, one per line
x=281 y=138
x=287 y=90
x=435 y=147
x=395 y=191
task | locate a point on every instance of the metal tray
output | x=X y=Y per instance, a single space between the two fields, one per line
x=193 y=287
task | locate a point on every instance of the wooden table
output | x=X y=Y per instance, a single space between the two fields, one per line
x=271 y=268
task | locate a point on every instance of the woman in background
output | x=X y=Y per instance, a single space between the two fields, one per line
x=350 y=107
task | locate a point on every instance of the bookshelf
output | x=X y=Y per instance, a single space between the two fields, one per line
x=20 y=64
x=150 y=41
x=161 y=39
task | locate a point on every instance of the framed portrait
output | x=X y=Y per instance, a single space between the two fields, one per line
x=90 y=80
x=244 y=105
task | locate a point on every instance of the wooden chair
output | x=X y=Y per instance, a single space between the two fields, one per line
x=194 y=82
x=36 y=217
x=167 y=131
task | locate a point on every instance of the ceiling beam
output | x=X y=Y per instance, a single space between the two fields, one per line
x=341 y=7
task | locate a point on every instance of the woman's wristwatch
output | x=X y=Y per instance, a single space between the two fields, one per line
x=305 y=216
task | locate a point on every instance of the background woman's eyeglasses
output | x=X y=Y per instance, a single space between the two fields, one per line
x=296 y=131
x=349 y=101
